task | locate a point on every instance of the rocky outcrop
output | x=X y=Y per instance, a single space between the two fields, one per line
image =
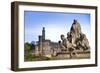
x=75 y=40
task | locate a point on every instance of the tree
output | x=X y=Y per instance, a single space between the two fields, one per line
x=27 y=46
x=32 y=45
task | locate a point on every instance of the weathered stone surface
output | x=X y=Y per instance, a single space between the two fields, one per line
x=75 y=39
x=74 y=45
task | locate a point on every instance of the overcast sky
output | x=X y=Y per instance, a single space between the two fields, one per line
x=55 y=24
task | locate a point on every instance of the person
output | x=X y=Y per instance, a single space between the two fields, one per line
x=85 y=43
x=75 y=31
x=64 y=42
x=76 y=28
x=61 y=46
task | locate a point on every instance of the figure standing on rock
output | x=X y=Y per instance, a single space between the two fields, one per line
x=75 y=39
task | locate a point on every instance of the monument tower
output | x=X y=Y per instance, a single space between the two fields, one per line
x=43 y=33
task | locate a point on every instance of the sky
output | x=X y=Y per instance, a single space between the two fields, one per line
x=55 y=23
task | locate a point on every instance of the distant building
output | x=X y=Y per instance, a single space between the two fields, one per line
x=45 y=47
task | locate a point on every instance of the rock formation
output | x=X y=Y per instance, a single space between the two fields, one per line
x=75 y=39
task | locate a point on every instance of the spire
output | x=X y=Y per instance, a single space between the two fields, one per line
x=43 y=33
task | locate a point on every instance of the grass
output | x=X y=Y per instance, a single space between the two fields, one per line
x=30 y=57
